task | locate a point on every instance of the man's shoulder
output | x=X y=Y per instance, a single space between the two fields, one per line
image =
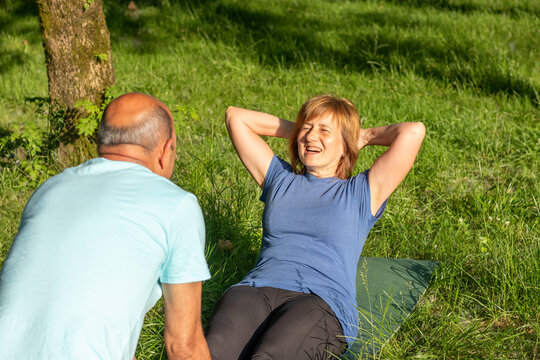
x=116 y=181
x=122 y=172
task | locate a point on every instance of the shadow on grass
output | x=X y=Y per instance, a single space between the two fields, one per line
x=11 y=58
x=288 y=39
x=12 y=55
x=4 y=132
x=508 y=8
x=5 y=146
x=17 y=9
x=373 y=51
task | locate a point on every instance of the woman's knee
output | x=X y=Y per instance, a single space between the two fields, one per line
x=238 y=314
x=303 y=328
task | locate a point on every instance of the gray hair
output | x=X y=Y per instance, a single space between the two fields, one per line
x=156 y=125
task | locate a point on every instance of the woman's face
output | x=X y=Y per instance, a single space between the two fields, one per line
x=320 y=146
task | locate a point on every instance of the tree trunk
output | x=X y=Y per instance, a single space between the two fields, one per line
x=77 y=53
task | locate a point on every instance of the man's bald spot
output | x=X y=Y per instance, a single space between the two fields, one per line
x=135 y=119
x=128 y=109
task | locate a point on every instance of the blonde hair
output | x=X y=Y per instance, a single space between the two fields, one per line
x=348 y=121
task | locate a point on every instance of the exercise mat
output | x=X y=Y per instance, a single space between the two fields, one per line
x=387 y=291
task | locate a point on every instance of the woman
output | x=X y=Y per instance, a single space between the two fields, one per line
x=299 y=300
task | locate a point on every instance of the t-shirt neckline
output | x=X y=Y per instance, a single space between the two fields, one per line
x=314 y=178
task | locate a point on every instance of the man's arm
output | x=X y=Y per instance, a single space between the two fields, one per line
x=184 y=338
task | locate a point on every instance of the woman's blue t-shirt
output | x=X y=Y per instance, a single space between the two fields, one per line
x=313 y=233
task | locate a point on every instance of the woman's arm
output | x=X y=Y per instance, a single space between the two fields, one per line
x=245 y=129
x=387 y=172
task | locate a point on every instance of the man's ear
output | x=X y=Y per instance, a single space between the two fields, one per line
x=163 y=158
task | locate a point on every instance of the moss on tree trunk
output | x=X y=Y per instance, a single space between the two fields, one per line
x=77 y=54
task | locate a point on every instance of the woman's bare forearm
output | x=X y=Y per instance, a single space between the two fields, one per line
x=260 y=123
x=391 y=167
x=386 y=135
x=245 y=129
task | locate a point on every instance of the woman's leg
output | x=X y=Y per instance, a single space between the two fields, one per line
x=238 y=314
x=302 y=328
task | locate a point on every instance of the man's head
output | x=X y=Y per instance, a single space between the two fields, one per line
x=139 y=128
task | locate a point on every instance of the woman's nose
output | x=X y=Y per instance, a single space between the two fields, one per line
x=311 y=135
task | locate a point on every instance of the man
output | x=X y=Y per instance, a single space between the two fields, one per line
x=99 y=243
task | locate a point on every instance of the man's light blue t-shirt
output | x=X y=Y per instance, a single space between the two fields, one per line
x=93 y=246
x=313 y=233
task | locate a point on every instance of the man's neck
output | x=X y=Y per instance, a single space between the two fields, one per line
x=131 y=153
x=121 y=157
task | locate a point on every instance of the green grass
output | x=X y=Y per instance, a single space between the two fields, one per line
x=468 y=69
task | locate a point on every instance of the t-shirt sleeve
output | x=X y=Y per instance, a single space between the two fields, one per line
x=185 y=260
x=364 y=192
x=275 y=170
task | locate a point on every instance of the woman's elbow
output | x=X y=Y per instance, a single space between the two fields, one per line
x=231 y=114
x=418 y=130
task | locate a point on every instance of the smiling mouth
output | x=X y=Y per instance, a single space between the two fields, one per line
x=312 y=150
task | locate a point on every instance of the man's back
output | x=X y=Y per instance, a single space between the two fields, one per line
x=84 y=268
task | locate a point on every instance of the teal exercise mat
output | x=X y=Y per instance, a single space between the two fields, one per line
x=387 y=291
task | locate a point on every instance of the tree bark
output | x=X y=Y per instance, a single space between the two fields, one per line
x=77 y=54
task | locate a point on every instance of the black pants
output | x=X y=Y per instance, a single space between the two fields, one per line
x=270 y=323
